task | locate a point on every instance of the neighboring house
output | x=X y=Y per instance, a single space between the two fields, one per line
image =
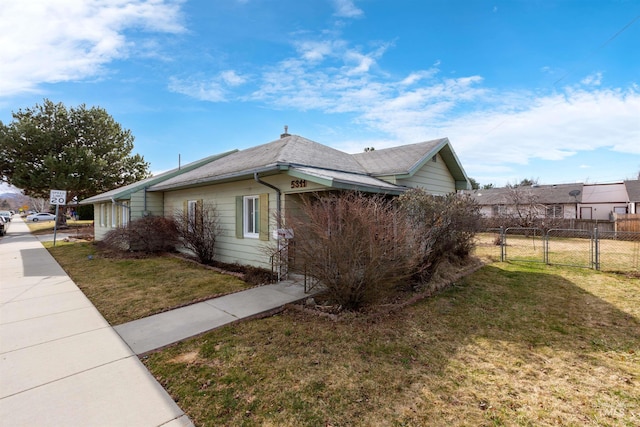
x=249 y=187
x=633 y=193
x=567 y=201
x=601 y=201
x=543 y=201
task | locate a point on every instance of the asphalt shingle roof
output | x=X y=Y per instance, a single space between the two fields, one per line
x=547 y=194
x=291 y=150
x=396 y=160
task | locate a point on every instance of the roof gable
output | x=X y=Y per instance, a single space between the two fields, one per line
x=405 y=160
x=633 y=190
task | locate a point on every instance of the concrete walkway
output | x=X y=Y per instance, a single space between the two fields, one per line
x=166 y=328
x=61 y=364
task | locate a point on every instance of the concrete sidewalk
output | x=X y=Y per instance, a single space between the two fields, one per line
x=166 y=328
x=61 y=364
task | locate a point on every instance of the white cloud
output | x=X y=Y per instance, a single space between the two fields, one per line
x=594 y=79
x=346 y=9
x=231 y=78
x=204 y=90
x=52 y=41
x=495 y=132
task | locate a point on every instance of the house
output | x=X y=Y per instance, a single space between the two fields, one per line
x=249 y=186
x=117 y=207
x=598 y=202
x=541 y=201
x=601 y=201
x=633 y=193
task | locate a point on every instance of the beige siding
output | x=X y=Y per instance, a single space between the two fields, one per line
x=229 y=248
x=154 y=204
x=223 y=196
x=434 y=177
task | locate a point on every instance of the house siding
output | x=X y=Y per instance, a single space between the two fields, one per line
x=154 y=204
x=434 y=177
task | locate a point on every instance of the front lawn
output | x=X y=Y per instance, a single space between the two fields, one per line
x=508 y=345
x=128 y=289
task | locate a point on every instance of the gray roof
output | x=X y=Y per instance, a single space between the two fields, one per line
x=397 y=160
x=546 y=194
x=633 y=190
x=405 y=160
x=293 y=151
x=124 y=193
x=277 y=155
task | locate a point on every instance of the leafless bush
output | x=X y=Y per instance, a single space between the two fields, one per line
x=199 y=230
x=356 y=245
x=444 y=227
x=148 y=235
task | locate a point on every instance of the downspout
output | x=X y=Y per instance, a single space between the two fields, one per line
x=278 y=194
x=278 y=219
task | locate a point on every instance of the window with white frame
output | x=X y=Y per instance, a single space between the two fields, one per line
x=499 y=210
x=103 y=214
x=125 y=214
x=192 y=207
x=251 y=216
x=554 y=211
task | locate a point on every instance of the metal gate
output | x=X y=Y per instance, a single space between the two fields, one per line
x=600 y=250
x=523 y=244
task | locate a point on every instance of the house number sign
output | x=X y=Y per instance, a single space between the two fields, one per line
x=299 y=183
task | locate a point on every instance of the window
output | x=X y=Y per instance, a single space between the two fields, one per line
x=251 y=216
x=499 y=210
x=103 y=215
x=125 y=214
x=192 y=207
x=554 y=211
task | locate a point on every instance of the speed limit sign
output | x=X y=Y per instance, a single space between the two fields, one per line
x=58 y=197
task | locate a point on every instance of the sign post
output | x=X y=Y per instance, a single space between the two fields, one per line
x=57 y=197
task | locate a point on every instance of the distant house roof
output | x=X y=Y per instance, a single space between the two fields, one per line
x=605 y=193
x=546 y=194
x=124 y=193
x=633 y=190
x=320 y=163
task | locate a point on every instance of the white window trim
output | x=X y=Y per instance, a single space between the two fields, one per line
x=125 y=214
x=247 y=217
x=103 y=214
x=192 y=206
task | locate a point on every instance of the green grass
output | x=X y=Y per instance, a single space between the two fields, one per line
x=129 y=289
x=508 y=345
x=521 y=344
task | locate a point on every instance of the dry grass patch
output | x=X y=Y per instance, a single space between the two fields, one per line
x=128 y=289
x=44 y=227
x=508 y=345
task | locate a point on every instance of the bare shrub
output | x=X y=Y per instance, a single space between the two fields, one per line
x=199 y=230
x=356 y=245
x=150 y=234
x=443 y=226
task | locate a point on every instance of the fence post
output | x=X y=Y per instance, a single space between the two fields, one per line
x=502 y=244
x=596 y=248
x=545 y=246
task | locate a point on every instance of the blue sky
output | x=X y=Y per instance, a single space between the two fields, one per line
x=548 y=90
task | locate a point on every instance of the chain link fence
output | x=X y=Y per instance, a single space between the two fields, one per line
x=600 y=250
